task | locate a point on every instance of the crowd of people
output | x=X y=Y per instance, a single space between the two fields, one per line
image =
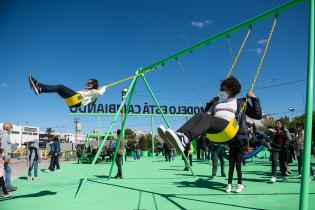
x=219 y=112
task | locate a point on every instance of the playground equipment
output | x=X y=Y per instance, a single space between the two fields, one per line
x=88 y=151
x=140 y=73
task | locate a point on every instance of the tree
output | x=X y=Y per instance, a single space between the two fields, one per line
x=129 y=134
x=143 y=143
x=49 y=131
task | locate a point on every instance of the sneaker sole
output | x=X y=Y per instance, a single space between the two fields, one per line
x=33 y=86
x=172 y=137
x=161 y=131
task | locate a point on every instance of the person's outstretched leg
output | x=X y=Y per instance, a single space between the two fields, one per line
x=62 y=90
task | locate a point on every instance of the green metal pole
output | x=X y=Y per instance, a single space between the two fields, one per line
x=158 y=105
x=86 y=139
x=103 y=142
x=152 y=137
x=122 y=128
x=224 y=34
x=98 y=130
x=304 y=191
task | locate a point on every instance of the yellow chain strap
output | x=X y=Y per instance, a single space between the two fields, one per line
x=260 y=64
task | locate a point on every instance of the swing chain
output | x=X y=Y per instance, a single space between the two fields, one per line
x=260 y=64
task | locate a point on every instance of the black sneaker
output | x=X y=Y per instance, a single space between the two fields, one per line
x=34 y=85
x=11 y=188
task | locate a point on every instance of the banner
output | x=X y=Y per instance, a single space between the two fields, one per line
x=137 y=109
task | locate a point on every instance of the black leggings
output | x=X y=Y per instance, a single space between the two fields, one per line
x=2 y=185
x=235 y=159
x=62 y=90
x=202 y=123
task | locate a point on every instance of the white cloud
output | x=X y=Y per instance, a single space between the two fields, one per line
x=182 y=36
x=256 y=50
x=262 y=41
x=3 y=85
x=201 y=24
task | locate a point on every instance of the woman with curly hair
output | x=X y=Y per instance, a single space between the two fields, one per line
x=219 y=111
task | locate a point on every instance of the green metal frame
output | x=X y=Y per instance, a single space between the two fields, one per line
x=129 y=95
x=304 y=195
x=304 y=191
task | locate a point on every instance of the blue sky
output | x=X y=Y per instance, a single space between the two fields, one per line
x=70 y=41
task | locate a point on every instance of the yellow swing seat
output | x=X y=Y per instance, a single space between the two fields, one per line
x=74 y=100
x=226 y=135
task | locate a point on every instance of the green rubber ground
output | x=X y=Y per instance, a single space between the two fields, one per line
x=155 y=184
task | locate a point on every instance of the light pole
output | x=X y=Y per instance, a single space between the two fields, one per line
x=22 y=133
x=123 y=95
x=77 y=128
x=291 y=109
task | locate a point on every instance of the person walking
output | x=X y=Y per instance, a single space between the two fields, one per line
x=5 y=144
x=33 y=159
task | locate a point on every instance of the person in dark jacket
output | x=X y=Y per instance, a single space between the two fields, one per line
x=119 y=157
x=54 y=159
x=236 y=154
x=33 y=159
x=281 y=141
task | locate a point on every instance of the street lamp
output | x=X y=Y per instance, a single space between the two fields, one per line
x=77 y=128
x=292 y=109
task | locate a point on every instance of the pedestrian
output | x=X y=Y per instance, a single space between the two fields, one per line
x=2 y=183
x=33 y=159
x=119 y=157
x=5 y=144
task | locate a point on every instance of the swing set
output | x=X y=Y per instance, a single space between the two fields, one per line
x=231 y=130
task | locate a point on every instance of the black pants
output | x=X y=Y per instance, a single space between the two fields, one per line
x=216 y=154
x=189 y=156
x=201 y=123
x=54 y=162
x=168 y=155
x=281 y=156
x=118 y=163
x=62 y=90
x=2 y=185
x=235 y=159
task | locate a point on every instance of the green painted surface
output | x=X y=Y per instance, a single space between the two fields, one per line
x=155 y=184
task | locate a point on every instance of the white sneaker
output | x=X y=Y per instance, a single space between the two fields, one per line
x=239 y=188
x=36 y=178
x=29 y=178
x=7 y=195
x=47 y=171
x=57 y=170
x=273 y=179
x=174 y=140
x=228 y=188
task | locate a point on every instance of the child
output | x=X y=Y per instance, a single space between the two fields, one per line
x=2 y=184
x=73 y=99
x=33 y=159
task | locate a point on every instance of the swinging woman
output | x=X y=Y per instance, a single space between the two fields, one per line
x=218 y=113
x=73 y=98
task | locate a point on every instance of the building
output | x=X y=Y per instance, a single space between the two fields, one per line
x=22 y=134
